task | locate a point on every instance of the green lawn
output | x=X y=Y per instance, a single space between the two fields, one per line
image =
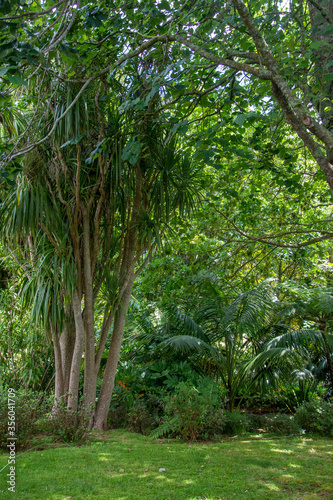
x=118 y=465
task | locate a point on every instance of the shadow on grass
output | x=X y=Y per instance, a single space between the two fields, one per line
x=121 y=466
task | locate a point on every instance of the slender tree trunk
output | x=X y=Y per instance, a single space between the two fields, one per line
x=67 y=342
x=90 y=376
x=128 y=275
x=59 y=376
x=74 y=378
x=104 y=399
x=321 y=17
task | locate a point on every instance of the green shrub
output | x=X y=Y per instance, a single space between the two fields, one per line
x=257 y=422
x=191 y=412
x=316 y=417
x=214 y=422
x=140 y=420
x=187 y=410
x=287 y=398
x=283 y=424
x=235 y=423
x=30 y=407
x=118 y=416
x=276 y=423
x=69 y=425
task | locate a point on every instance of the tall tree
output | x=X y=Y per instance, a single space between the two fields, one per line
x=104 y=192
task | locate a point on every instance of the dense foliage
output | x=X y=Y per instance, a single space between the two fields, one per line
x=166 y=179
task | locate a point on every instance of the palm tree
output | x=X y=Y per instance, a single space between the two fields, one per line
x=219 y=340
x=313 y=308
x=104 y=191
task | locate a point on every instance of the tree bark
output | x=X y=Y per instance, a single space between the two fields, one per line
x=105 y=396
x=74 y=378
x=59 y=376
x=321 y=16
x=67 y=342
x=90 y=375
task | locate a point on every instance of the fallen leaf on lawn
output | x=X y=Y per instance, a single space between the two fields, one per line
x=121 y=470
x=161 y=470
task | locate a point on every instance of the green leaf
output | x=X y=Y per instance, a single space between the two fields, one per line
x=180 y=86
x=151 y=94
x=180 y=128
x=73 y=141
x=131 y=152
x=9 y=45
x=16 y=80
x=3 y=71
x=318 y=44
x=329 y=29
x=164 y=5
x=240 y=119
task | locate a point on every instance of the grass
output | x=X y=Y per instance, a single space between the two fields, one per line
x=118 y=465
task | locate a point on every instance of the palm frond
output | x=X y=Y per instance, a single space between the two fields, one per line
x=187 y=344
x=299 y=338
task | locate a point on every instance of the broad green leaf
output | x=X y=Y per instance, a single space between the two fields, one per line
x=316 y=45
x=16 y=80
x=240 y=119
x=3 y=71
x=73 y=141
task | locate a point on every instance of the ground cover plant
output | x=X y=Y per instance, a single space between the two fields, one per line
x=119 y=465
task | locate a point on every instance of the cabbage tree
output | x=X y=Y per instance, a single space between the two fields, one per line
x=94 y=203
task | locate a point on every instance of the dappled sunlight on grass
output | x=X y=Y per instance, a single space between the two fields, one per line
x=272 y=487
x=129 y=466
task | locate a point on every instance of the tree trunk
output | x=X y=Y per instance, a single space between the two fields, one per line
x=104 y=399
x=321 y=17
x=67 y=342
x=59 y=376
x=90 y=376
x=74 y=378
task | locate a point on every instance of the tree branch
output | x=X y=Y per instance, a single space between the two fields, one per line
x=34 y=14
